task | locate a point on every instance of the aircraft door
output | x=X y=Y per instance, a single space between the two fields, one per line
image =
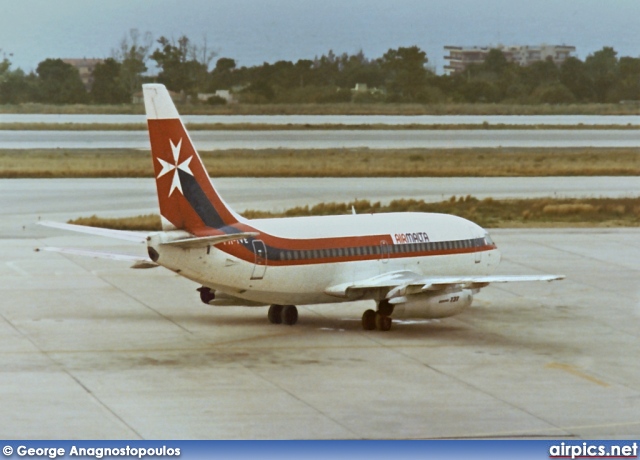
x=260 y=252
x=384 y=251
x=477 y=254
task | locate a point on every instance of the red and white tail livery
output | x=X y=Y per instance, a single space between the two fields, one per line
x=416 y=265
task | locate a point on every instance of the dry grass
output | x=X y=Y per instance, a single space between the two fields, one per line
x=333 y=163
x=543 y=212
x=531 y=213
x=147 y=222
x=308 y=127
x=341 y=109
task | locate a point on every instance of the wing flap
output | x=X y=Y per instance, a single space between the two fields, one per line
x=386 y=280
x=402 y=283
x=478 y=282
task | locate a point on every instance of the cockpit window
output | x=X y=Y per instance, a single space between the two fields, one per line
x=487 y=240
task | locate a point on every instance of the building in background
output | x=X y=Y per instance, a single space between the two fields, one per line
x=85 y=69
x=461 y=56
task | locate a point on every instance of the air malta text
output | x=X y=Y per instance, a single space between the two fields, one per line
x=407 y=238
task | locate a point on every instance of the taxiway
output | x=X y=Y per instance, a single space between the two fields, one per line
x=92 y=349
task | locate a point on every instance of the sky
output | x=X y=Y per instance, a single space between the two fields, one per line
x=256 y=31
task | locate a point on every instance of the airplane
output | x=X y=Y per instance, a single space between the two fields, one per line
x=413 y=265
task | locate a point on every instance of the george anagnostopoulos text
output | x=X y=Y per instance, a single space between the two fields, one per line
x=98 y=452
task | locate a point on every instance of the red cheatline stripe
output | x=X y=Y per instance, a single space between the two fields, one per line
x=323 y=250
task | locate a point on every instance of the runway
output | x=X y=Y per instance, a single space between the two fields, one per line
x=225 y=140
x=24 y=201
x=93 y=350
x=556 y=120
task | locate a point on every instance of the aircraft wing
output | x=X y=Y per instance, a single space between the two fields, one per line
x=136 y=237
x=401 y=283
x=137 y=261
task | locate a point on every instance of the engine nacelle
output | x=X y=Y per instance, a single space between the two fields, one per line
x=430 y=306
x=220 y=299
x=206 y=294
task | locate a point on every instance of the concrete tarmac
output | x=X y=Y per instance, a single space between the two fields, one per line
x=92 y=349
x=224 y=140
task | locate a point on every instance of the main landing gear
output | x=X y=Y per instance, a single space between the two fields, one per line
x=380 y=320
x=283 y=314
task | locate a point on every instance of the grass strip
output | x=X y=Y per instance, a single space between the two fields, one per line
x=338 y=109
x=496 y=162
x=313 y=127
x=521 y=213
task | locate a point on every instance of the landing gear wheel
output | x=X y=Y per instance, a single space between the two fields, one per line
x=206 y=294
x=369 y=320
x=383 y=322
x=275 y=314
x=290 y=315
x=385 y=308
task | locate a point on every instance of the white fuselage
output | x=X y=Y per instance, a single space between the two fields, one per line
x=302 y=261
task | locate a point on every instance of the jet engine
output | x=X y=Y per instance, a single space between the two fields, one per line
x=220 y=299
x=431 y=306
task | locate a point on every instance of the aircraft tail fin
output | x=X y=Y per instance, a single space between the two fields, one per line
x=187 y=199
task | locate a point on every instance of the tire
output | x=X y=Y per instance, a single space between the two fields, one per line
x=275 y=314
x=383 y=323
x=369 y=320
x=290 y=315
x=385 y=308
x=206 y=295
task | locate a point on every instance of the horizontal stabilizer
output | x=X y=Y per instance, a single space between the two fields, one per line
x=199 y=242
x=109 y=233
x=137 y=261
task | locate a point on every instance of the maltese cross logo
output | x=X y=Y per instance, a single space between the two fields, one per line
x=168 y=167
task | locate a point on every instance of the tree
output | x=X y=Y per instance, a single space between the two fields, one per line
x=358 y=69
x=602 y=68
x=573 y=75
x=59 y=83
x=132 y=55
x=628 y=84
x=495 y=62
x=554 y=93
x=185 y=66
x=326 y=70
x=15 y=86
x=304 y=70
x=107 y=84
x=405 y=72
x=222 y=74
